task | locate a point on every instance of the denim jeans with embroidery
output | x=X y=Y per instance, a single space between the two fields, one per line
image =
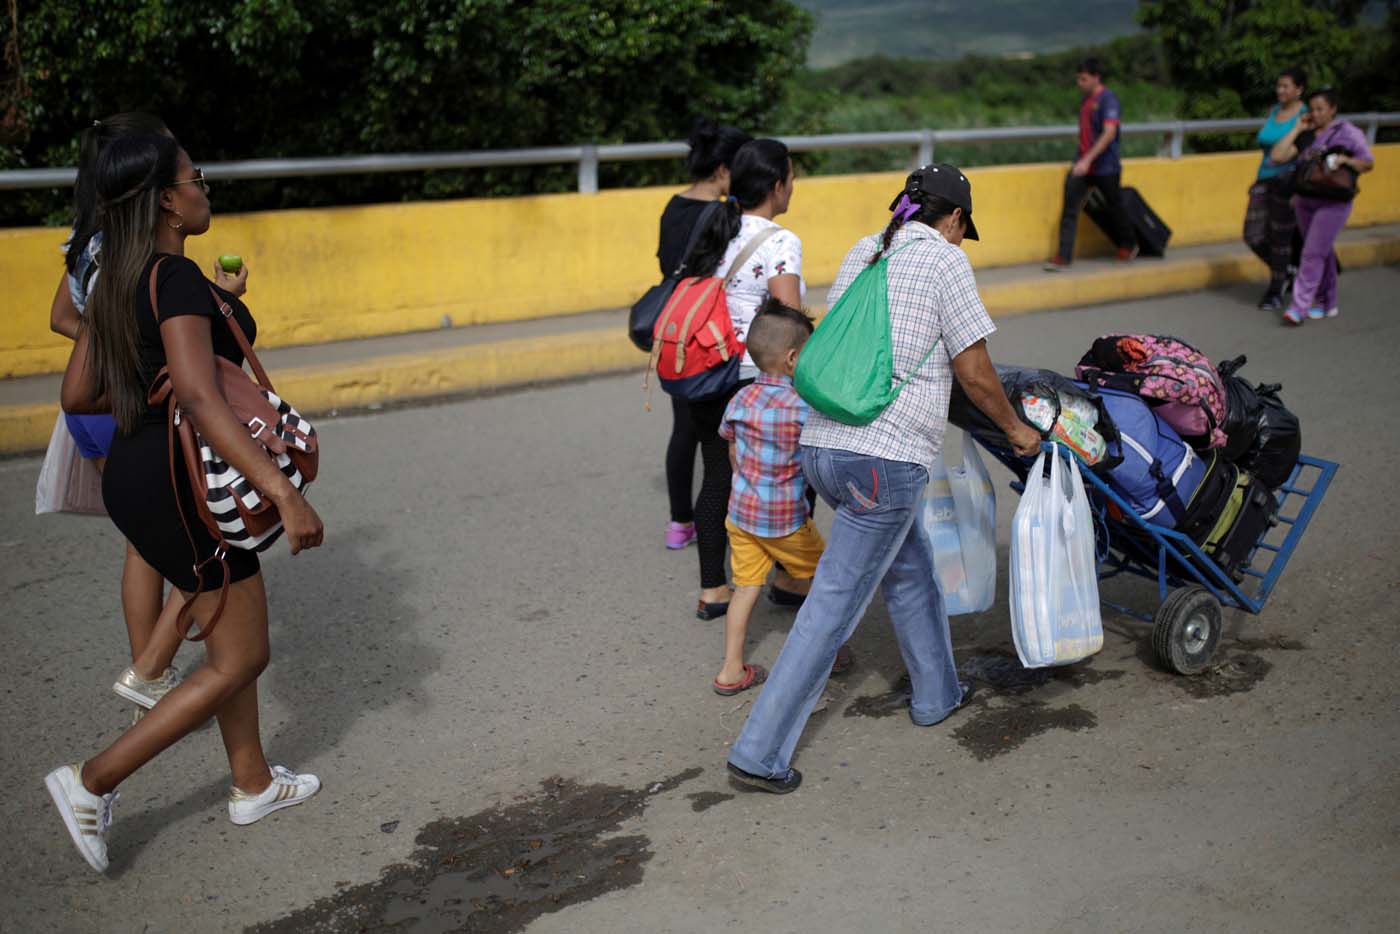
x=876 y=541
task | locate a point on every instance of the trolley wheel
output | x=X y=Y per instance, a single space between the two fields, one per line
x=1186 y=630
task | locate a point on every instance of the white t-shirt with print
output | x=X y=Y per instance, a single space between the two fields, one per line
x=780 y=254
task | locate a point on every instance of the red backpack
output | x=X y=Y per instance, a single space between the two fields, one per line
x=695 y=352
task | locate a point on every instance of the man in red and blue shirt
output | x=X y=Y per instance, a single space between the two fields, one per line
x=1097 y=166
x=769 y=520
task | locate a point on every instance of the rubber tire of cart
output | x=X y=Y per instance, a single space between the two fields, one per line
x=1186 y=630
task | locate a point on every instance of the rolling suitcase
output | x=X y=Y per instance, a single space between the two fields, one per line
x=1152 y=235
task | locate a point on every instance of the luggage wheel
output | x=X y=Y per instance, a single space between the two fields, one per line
x=1186 y=630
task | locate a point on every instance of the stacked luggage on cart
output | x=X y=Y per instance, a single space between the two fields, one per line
x=1190 y=446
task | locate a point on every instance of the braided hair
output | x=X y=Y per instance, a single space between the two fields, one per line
x=920 y=206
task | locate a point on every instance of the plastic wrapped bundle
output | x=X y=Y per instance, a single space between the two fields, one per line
x=1047 y=401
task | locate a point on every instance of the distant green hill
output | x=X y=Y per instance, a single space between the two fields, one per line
x=949 y=29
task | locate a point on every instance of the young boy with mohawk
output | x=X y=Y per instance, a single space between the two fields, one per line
x=769 y=520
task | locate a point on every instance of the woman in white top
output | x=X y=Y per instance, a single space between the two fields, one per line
x=760 y=188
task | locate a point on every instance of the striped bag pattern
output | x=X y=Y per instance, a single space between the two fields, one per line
x=226 y=487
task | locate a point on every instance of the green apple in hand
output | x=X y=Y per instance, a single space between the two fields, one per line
x=231 y=263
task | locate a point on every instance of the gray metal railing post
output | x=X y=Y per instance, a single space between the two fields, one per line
x=927 y=139
x=588 y=170
x=1178 y=140
x=1373 y=123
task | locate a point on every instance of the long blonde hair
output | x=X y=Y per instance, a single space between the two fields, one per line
x=131 y=173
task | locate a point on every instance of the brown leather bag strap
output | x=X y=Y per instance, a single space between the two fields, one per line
x=186 y=617
x=162 y=391
x=226 y=310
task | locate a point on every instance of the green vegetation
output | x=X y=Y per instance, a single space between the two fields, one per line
x=950 y=29
x=267 y=78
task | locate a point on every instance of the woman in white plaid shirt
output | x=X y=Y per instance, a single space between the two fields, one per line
x=874 y=476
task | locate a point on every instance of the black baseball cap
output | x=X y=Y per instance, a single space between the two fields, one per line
x=946 y=181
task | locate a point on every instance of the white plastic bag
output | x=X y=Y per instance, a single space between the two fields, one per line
x=960 y=519
x=1055 y=616
x=68 y=482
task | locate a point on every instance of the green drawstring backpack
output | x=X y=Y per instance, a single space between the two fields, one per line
x=846 y=369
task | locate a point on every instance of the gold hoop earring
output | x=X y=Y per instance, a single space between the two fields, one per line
x=179 y=226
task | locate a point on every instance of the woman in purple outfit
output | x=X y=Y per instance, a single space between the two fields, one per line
x=1320 y=220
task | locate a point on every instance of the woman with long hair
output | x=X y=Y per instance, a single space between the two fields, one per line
x=760 y=185
x=150 y=676
x=150 y=199
x=1320 y=220
x=712 y=148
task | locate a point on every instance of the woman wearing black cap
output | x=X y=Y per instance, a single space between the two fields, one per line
x=874 y=476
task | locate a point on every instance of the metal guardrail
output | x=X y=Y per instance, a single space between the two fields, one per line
x=588 y=156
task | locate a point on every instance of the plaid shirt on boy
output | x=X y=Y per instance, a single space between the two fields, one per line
x=764 y=420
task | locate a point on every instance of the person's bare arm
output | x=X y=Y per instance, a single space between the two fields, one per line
x=734 y=456
x=79 y=394
x=787 y=289
x=1360 y=166
x=189 y=352
x=1086 y=161
x=63 y=314
x=973 y=368
x=1286 y=149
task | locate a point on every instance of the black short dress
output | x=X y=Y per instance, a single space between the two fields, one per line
x=136 y=482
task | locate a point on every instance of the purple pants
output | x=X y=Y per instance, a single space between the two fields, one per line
x=1319 y=222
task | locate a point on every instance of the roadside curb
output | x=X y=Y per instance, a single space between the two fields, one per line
x=488 y=366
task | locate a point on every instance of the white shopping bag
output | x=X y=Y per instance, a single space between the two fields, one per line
x=68 y=482
x=1055 y=616
x=960 y=519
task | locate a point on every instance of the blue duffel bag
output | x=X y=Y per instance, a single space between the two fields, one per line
x=1159 y=473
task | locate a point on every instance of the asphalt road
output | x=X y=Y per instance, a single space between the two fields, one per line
x=494 y=668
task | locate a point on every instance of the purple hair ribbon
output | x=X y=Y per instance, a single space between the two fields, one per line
x=904 y=210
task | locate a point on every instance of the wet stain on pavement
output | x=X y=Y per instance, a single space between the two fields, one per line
x=1234 y=674
x=1267 y=643
x=1000 y=672
x=995 y=731
x=704 y=800
x=891 y=702
x=496 y=871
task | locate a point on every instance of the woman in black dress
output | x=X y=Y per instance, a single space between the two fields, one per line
x=151 y=198
x=711 y=149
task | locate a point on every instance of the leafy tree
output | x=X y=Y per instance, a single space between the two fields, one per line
x=1225 y=54
x=262 y=78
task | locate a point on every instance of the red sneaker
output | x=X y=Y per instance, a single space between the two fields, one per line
x=1057 y=263
x=1127 y=254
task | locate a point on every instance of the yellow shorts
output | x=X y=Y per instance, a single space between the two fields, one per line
x=752 y=557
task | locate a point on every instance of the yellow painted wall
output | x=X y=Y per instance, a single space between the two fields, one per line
x=339 y=273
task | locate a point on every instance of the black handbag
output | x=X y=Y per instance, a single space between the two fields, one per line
x=641 y=321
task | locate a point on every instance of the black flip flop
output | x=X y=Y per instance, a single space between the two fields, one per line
x=780 y=597
x=711 y=610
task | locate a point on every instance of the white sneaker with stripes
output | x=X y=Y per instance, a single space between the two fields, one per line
x=86 y=815
x=287 y=788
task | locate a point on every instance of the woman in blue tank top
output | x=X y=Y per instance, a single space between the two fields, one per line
x=1269 y=223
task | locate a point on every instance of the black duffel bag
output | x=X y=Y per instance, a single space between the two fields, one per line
x=641 y=321
x=1265 y=438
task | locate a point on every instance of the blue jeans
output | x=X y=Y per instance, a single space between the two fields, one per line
x=875 y=540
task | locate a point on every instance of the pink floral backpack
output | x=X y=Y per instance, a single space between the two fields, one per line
x=1176 y=379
